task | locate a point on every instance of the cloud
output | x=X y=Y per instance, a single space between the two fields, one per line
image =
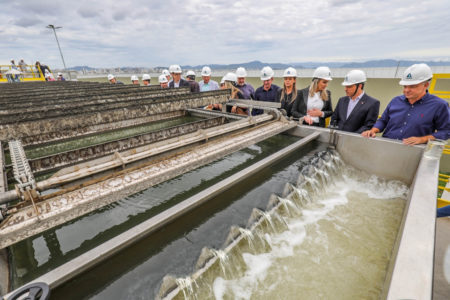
x=87 y=12
x=151 y=33
x=27 y=22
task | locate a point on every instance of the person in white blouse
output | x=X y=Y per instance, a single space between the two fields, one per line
x=314 y=102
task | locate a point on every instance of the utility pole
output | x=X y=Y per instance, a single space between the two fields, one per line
x=60 y=52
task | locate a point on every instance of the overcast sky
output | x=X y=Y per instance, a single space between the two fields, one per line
x=152 y=33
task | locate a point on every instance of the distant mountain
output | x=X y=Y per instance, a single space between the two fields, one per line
x=81 y=68
x=258 y=65
x=253 y=65
x=385 y=63
x=382 y=63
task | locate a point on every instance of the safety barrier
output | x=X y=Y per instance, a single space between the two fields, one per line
x=443 y=178
x=432 y=89
x=27 y=73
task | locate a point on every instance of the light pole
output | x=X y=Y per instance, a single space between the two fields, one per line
x=60 y=52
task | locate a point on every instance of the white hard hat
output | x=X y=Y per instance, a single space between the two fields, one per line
x=354 y=77
x=165 y=72
x=240 y=72
x=415 y=74
x=111 y=76
x=134 y=77
x=290 y=72
x=162 y=79
x=190 y=73
x=266 y=73
x=175 y=69
x=146 y=77
x=322 y=73
x=206 y=71
x=59 y=74
x=230 y=77
x=222 y=81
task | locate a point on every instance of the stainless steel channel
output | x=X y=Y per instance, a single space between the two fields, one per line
x=87 y=260
x=410 y=274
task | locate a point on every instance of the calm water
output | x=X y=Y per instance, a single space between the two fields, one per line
x=44 y=252
x=34 y=152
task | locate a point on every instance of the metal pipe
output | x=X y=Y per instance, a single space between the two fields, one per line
x=64 y=159
x=150 y=150
x=63 y=206
x=106 y=250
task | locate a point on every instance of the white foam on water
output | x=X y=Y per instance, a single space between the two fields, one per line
x=286 y=244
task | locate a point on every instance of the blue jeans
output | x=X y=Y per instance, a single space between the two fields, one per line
x=443 y=211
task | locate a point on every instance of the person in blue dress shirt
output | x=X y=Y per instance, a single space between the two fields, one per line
x=207 y=84
x=416 y=116
x=268 y=91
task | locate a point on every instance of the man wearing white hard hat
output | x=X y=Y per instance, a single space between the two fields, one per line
x=134 y=80
x=416 y=116
x=268 y=91
x=146 y=79
x=246 y=88
x=190 y=77
x=207 y=84
x=166 y=73
x=60 y=77
x=163 y=82
x=314 y=102
x=177 y=81
x=112 y=79
x=357 y=111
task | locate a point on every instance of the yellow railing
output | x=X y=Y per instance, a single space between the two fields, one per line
x=432 y=90
x=29 y=73
x=443 y=178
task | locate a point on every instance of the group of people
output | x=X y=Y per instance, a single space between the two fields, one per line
x=48 y=75
x=414 y=117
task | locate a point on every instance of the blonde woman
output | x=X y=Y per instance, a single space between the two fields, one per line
x=288 y=94
x=314 y=102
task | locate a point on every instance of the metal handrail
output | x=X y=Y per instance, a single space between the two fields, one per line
x=29 y=73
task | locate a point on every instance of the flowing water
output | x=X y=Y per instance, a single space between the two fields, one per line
x=335 y=245
x=330 y=238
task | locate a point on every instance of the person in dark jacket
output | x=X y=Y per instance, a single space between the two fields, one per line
x=314 y=102
x=356 y=112
x=40 y=67
x=246 y=88
x=177 y=81
x=190 y=77
x=288 y=94
x=268 y=91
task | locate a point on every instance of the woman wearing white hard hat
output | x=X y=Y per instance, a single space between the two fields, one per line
x=314 y=102
x=288 y=94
